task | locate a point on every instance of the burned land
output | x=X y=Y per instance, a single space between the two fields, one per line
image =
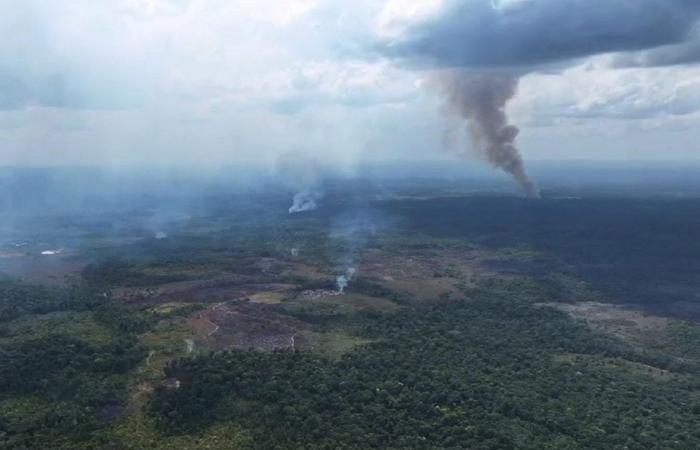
x=465 y=321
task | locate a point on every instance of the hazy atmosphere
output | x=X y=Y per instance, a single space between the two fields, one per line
x=210 y=82
x=349 y=225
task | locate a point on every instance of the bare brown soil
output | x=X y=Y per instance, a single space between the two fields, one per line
x=623 y=321
x=441 y=273
x=202 y=291
x=246 y=325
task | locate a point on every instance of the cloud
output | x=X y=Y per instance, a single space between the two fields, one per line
x=68 y=90
x=669 y=55
x=85 y=81
x=351 y=84
x=529 y=33
x=478 y=50
x=398 y=15
x=13 y=93
x=595 y=91
x=71 y=55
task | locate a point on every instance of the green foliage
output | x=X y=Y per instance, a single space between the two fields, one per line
x=494 y=372
x=18 y=299
x=51 y=363
x=685 y=339
x=364 y=286
x=632 y=250
x=119 y=272
x=72 y=377
x=482 y=374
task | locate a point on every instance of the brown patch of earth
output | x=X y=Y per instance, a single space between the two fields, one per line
x=442 y=273
x=52 y=270
x=623 y=321
x=268 y=297
x=246 y=325
x=303 y=270
x=350 y=301
x=202 y=291
x=628 y=322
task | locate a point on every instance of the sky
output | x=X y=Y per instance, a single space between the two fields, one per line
x=215 y=82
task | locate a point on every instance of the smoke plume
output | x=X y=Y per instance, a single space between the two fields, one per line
x=480 y=100
x=304 y=201
x=301 y=173
x=350 y=234
x=480 y=38
x=342 y=281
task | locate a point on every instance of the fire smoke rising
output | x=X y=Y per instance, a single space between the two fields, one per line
x=351 y=232
x=301 y=173
x=343 y=280
x=304 y=201
x=490 y=44
x=481 y=99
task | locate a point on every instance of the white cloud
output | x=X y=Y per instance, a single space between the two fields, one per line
x=220 y=80
x=398 y=15
x=593 y=91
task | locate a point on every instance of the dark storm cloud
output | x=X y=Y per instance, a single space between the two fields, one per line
x=670 y=55
x=480 y=34
x=488 y=45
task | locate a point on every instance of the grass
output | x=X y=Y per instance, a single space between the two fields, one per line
x=170 y=308
x=79 y=324
x=167 y=341
x=139 y=432
x=631 y=367
x=350 y=303
x=267 y=298
x=335 y=344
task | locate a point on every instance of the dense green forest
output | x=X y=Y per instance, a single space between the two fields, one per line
x=487 y=373
x=484 y=361
x=633 y=250
x=56 y=387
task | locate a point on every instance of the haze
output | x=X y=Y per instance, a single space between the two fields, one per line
x=210 y=82
x=352 y=225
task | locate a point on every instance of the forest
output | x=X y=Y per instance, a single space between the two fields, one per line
x=453 y=334
x=484 y=373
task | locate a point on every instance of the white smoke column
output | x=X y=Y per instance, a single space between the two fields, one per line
x=343 y=280
x=481 y=99
x=300 y=172
x=304 y=201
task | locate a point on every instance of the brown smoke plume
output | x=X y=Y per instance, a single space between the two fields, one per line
x=480 y=99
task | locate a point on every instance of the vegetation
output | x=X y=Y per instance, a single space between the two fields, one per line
x=61 y=382
x=18 y=299
x=486 y=365
x=466 y=374
x=630 y=250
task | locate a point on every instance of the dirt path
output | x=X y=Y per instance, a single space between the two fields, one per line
x=216 y=327
x=148 y=358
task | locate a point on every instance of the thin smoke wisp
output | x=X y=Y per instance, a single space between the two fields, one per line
x=344 y=280
x=301 y=173
x=304 y=201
